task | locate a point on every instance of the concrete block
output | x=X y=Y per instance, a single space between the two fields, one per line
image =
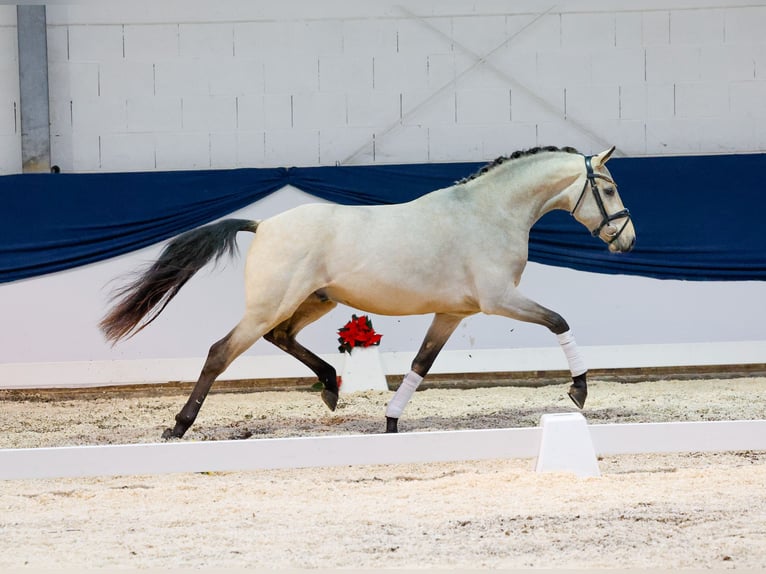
x=60 y=114
x=211 y=41
x=440 y=70
x=155 y=114
x=10 y=153
x=319 y=110
x=669 y=64
x=529 y=34
x=223 y=150
x=209 y=113
x=562 y=68
x=235 y=77
x=291 y=148
x=479 y=34
x=483 y=106
x=422 y=36
x=9 y=116
x=9 y=71
x=337 y=144
x=99 y=115
x=455 y=143
x=95 y=43
x=628 y=135
x=348 y=72
x=747 y=99
x=151 y=43
x=405 y=144
x=702 y=99
x=182 y=150
x=318 y=37
x=672 y=136
x=398 y=72
x=503 y=140
x=660 y=101
x=592 y=102
x=249 y=111
x=518 y=67
x=588 y=30
x=250 y=148
x=628 y=30
x=127 y=152
x=125 y=79
x=725 y=63
x=697 y=27
x=72 y=80
x=633 y=101
x=427 y=108
x=367 y=37
x=560 y=132
x=656 y=28
x=618 y=66
x=277 y=111
x=80 y=152
x=57 y=38
x=744 y=25
x=9 y=49
x=726 y=135
x=291 y=74
x=181 y=78
x=537 y=103
x=376 y=109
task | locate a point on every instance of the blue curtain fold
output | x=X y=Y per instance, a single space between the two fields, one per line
x=696 y=217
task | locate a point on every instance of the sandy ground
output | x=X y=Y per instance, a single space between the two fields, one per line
x=650 y=511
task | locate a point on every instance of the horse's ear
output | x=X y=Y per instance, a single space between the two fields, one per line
x=604 y=156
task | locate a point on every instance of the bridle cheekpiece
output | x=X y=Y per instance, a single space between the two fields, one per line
x=612 y=232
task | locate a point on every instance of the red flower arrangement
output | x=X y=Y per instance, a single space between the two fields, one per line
x=358 y=332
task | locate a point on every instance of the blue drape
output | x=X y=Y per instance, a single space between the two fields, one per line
x=696 y=218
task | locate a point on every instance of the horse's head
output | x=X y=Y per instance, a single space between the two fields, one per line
x=599 y=207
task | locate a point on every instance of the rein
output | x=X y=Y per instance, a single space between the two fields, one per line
x=612 y=232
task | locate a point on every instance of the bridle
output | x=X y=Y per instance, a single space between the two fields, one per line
x=612 y=232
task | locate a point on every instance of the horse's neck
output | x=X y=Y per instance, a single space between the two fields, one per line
x=528 y=188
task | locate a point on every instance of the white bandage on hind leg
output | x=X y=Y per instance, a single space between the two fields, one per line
x=403 y=395
x=576 y=363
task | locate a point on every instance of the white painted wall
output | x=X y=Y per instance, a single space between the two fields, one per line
x=187 y=85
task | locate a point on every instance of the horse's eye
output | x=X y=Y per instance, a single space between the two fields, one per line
x=609 y=191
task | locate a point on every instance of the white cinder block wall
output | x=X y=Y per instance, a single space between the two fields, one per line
x=171 y=85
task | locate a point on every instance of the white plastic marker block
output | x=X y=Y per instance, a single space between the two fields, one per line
x=363 y=371
x=566 y=445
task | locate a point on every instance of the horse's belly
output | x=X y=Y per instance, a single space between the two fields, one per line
x=395 y=300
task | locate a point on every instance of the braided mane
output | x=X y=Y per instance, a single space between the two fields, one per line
x=515 y=155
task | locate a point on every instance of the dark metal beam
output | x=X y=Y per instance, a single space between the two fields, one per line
x=33 y=88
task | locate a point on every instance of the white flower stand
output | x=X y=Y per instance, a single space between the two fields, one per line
x=363 y=371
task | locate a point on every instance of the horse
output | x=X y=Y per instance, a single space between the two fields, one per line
x=453 y=252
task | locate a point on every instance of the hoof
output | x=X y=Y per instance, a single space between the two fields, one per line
x=170 y=433
x=578 y=391
x=391 y=425
x=330 y=399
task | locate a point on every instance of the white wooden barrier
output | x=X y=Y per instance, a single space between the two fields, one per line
x=415 y=447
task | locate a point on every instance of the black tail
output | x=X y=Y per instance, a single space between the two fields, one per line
x=142 y=300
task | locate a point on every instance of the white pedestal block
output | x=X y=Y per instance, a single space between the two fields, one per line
x=363 y=371
x=566 y=445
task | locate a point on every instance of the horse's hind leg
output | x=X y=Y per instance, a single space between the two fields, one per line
x=283 y=336
x=221 y=354
x=440 y=330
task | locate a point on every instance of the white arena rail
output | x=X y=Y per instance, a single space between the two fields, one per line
x=415 y=447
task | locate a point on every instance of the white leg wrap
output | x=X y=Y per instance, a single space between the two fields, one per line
x=403 y=395
x=576 y=363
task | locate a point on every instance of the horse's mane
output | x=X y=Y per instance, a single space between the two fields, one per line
x=516 y=155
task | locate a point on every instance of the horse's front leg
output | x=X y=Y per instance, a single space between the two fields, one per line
x=517 y=306
x=440 y=330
